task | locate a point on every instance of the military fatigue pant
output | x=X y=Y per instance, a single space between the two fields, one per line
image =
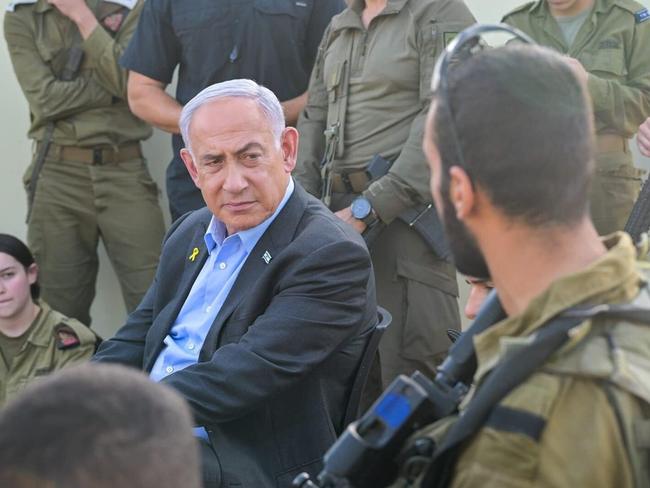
x=76 y=203
x=421 y=293
x=614 y=190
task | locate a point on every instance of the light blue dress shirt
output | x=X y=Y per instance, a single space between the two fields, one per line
x=227 y=255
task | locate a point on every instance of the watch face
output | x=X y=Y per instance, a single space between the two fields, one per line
x=361 y=208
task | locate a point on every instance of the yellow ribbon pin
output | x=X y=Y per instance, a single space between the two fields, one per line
x=195 y=253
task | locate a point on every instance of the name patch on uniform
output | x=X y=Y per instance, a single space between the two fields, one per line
x=609 y=44
x=12 y=5
x=642 y=15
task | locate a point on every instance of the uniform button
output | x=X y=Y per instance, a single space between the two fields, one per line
x=169 y=369
x=208 y=308
x=190 y=346
x=222 y=265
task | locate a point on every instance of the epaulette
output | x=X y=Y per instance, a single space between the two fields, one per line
x=14 y=3
x=639 y=11
x=522 y=8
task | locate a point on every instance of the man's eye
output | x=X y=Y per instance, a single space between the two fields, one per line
x=252 y=156
x=5 y=276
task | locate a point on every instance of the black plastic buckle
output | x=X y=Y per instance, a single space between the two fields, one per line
x=97 y=156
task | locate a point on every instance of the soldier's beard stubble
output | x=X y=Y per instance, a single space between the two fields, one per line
x=467 y=255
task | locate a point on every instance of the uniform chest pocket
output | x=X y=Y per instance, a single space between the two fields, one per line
x=49 y=39
x=205 y=34
x=275 y=7
x=608 y=63
x=334 y=75
x=283 y=22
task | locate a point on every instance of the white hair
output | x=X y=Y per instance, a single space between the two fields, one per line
x=242 y=88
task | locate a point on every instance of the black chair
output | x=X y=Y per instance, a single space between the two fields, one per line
x=352 y=413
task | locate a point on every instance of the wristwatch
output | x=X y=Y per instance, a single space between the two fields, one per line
x=362 y=210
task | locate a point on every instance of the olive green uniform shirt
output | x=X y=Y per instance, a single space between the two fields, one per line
x=374 y=84
x=613 y=46
x=585 y=440
x=53 y=342
x=90 y=110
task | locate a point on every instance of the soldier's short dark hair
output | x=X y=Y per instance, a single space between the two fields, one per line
x=20 y=252
x=100 y=426
x=525 y=126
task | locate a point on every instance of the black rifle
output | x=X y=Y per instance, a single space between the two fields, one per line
x=368 y=453
x=70 y=71
x=639 y=220
x=365 y=454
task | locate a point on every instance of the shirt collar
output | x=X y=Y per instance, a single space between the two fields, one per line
x=613 y=278
x=350 y=18
x=217 y=233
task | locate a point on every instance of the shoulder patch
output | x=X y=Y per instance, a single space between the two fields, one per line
x=66 y=338
x=12 y=5
x=642 y=16
x=522 y=8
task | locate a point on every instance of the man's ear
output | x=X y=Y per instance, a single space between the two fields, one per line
x=188 y=159
x=461 y=192
x=289 y=147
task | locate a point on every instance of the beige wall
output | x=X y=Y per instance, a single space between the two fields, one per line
x=108 y=310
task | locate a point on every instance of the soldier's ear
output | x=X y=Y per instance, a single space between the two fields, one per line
x=461 y=192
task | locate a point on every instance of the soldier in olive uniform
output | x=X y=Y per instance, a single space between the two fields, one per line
x=608 y=42
x=581 y=418
x=368 y=96
x=34 y=339
x=94 y=181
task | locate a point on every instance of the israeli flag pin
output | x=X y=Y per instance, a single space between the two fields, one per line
x=267 y=257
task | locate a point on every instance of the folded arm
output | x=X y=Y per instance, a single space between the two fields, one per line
x=320 y=304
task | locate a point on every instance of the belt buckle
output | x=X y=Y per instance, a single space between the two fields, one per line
x=97 y=156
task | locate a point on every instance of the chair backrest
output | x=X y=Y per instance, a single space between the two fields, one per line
x=384 y=319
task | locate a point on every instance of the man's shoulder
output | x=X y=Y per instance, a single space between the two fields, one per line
x=632 y=7
x=185 y=227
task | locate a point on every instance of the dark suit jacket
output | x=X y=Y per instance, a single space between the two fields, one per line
x=276 y=368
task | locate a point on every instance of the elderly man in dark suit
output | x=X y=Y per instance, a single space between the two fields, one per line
x=262 y=303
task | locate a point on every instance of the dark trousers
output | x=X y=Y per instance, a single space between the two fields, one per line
x=210 y=467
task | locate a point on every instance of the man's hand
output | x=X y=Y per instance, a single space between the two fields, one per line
x=579 y=70
x=643 y=138
x=78 y=12
x=346 y=216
